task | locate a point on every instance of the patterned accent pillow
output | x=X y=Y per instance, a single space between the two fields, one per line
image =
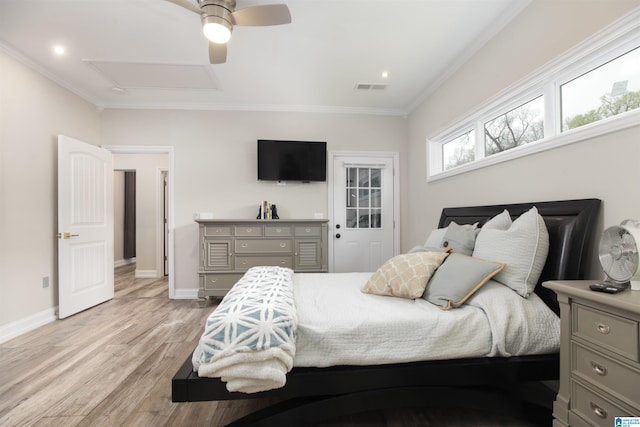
x=405 y=275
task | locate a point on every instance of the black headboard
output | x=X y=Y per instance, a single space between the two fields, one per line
x=570 y=224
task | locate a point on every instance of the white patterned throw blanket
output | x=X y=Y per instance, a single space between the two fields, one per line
x=250 y=338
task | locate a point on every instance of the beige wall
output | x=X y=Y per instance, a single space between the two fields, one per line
x=215 y=162
x=214 y=168
x=33 y=111
x=605 y=167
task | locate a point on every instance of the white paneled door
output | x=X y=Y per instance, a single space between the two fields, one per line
x=85 y=226
x=363 y=212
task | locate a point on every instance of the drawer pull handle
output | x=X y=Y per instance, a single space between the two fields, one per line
x=278 y=230
x=244 y=245
x=598 y=410
x=283 y=245
x=603 y=329
x=307 y=230
x=249 y=230
x=598 y=369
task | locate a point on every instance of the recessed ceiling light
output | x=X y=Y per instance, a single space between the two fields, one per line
x=384 y=74
x=58 y=50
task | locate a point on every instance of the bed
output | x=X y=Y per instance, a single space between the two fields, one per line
x=477 y=382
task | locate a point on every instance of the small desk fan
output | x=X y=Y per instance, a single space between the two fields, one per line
x=618 y=253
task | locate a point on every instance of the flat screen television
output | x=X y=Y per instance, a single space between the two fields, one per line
x=304 y=161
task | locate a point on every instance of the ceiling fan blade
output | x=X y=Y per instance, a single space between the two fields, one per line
x=187 y=5
x=270 y=14
x=217 y=53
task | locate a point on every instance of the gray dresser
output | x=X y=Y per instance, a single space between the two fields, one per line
x=228 y=248
x=599 y=355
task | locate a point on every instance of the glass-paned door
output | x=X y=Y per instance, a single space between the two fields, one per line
x=363 y=212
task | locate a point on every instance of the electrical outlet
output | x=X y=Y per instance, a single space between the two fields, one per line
x=45 y=282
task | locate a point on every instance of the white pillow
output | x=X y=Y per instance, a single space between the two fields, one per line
x=435 y=238
x=522 y=245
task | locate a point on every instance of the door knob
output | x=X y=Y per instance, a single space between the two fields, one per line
x=337 y=225
x=338 y=236
x=66 y=235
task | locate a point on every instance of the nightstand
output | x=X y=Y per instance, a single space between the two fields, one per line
x=599 y=355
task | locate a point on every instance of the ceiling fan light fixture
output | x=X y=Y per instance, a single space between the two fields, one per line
x=216 y=29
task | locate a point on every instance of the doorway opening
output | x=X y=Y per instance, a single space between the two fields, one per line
x=162 y=225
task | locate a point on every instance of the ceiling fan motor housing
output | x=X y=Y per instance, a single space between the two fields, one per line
x=218 y=11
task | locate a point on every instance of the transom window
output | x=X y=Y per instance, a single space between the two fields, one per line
x=606 y=91
x=551 y=107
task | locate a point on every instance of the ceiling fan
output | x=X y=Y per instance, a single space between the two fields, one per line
x=219 y=17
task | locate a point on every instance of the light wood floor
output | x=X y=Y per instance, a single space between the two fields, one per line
x=112 y=365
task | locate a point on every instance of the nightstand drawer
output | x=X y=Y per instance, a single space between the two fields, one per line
x=263 y=246
x=615 y=333
x=615 y=378
x=593 y=408
x=243 y=263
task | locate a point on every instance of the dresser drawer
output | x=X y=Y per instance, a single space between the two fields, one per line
x=218 y=282
x=615 y=333
x=593 y=408
x=277 y=231
x=217 y=230
x=308 y=230
x=243 y=263
x=263 y=246
x=616 y=378
x=248 y=230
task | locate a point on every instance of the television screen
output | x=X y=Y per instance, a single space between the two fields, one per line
x=292 y=160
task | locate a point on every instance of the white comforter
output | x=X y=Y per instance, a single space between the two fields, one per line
x=339 y=325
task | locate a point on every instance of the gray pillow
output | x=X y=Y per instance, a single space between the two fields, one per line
x=458 y=278
x=461 y=238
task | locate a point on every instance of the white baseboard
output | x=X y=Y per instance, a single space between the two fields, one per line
x=185 y=293
x=147 y=274
x=26 y=324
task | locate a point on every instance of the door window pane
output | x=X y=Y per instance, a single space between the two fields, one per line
x=519 y=126
x=363 y=198
x=606 y=91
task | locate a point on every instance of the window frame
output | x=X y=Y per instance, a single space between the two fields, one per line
x=615 y=40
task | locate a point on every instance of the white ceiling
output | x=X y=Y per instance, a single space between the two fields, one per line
x=156 y=52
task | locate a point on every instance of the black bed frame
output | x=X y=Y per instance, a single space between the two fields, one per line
x=479 y=383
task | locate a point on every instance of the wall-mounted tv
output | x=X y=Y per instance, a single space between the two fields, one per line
x=292 y=160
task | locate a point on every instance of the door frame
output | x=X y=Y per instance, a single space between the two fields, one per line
x=396 y=194
x=158 y=149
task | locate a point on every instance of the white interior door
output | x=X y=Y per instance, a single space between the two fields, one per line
x=85 y=226
x=363 y=212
